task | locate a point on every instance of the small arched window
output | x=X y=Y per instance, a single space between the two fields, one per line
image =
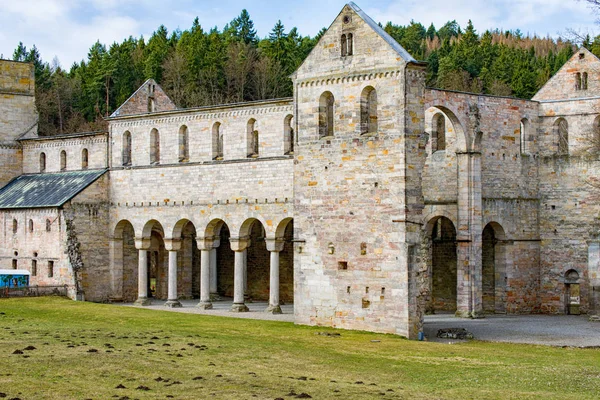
x=48 y=225
x=42 y=162
x=578 y=81
x=31 y=226
x=438 y=142
x=84 y=159
x=33 y=267
x=368 y=110
x=350 y=44
x=252 y=138
x=288 y=135
x=184 y=144
x=217 y=142
x=63 y=160
x=126 y=153
x=50 y=269
x=523 y=136
x=154 y=146
x=344 y=45
x=584 y=81
x=15 y=226
x=326 y=103
x=562 y=133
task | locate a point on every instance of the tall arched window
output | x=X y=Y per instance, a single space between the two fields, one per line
x=48 y=225
x=523 y=136
x=15 y=225
x=217 y=142
x=368 y=110
x=84 y=159
x=584 y=81
x=154 y=146
x=288 y=135
x=578 y=81
x=31 y=226
x=326 y=103
x=252 y=138
x=438 y=142
x=63 y=160
x=126 y=154
x=184 y=144
x=42 y=162
x=562 y=133
x=350 y=45
x=344 y=44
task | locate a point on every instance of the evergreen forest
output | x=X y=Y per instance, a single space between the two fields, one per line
x=199 y=67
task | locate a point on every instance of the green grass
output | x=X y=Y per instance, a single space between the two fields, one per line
x=261 y=359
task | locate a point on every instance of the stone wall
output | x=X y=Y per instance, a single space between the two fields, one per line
x=17 y=101
x=73 y=145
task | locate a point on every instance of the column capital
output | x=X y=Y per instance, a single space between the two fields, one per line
x=143 y=243
x=239 y=243
x=274 y=244
x=172 y=244
x=208 y=242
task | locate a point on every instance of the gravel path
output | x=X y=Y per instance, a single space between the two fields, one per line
x=553 y=330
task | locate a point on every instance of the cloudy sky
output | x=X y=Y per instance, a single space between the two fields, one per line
x=67 y=28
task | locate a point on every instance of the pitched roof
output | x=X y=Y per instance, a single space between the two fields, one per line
x=384 y=35
x=46 y=190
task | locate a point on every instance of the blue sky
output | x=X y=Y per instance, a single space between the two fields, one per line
x=67 y=28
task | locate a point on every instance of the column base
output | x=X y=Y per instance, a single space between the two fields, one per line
x=239 y=308
x=215 y=297
x=143 y=301
x=205 y=305
x=462 y=314
x=274 y=310
x=477 y=315
x=173 y=304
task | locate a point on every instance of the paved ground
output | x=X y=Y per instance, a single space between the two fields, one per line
x=553 y=330
x=221 y=308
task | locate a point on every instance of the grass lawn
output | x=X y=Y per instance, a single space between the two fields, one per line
x=96 y=351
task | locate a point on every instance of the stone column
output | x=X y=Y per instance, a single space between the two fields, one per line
x=143 y=245
x=246 y=295
x=238 y=245
x=274 y=246
x=172 y=246
x=214 y=295
x=206 y=246
x=469 y=302
x=594 y=277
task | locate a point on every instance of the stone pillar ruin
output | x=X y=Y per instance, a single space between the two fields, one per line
x=207 y=247
x=172 y=246
x=143 y=245
x=239 y=245
x=214 y=295
x=274 y=246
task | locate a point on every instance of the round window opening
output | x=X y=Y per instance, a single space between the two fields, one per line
x=347 y=19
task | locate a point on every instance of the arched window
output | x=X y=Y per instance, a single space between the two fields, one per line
x=33 y=267
x=350 y=45
x=326 y=103
x=523 y=136
x=184 y=144
x=288 y=135
x=217 y=142
x=50 y=269
x=368 y=110
x=84 y=159
x=15 y=225
x=31 y=226
x=42 y=162
x=562 y=133
x=344 y=44
x=578 y=81
x=154 y=146
x=584 y=81
x=126 y=152
x=252 y=138
x=48 y=225
x=438 y=142
x=63 y=160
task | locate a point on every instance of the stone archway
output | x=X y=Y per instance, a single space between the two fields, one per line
x=442 y=266
x=124 y=268
x=493 y=269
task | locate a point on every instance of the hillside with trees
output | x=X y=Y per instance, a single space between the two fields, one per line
x=200 y=67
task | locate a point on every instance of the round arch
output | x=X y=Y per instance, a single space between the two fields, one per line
x=462 y=139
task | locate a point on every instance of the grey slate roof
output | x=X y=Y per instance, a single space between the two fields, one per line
x=46 y=190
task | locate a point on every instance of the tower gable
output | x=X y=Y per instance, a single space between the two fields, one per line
x=577 y=78
x=353 y=42
x=150 y=97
